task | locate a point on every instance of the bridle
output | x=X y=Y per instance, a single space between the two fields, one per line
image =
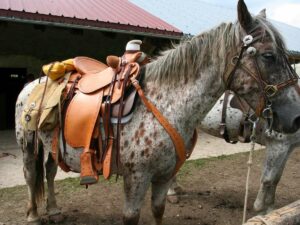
x=267 y=91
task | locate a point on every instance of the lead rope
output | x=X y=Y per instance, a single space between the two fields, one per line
x=249 y=164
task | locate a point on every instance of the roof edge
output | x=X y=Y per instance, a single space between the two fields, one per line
x=50 y=20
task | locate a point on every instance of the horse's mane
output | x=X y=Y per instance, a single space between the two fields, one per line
x=185 y=60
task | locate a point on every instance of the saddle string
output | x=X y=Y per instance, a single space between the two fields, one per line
x=36 y=141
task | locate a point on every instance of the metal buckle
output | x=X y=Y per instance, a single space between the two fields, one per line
x=267 y=113
x=271 y=90
x=234 y=60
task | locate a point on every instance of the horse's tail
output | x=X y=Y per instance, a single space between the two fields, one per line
x=39 y=182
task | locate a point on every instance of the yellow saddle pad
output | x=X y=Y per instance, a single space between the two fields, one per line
x=49 y=116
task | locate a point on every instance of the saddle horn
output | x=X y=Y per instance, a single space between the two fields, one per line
x=113 y=61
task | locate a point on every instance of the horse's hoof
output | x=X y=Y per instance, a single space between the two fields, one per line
x=179 y=190
x=270 y=209
x=34 y=221
x=258 y=206
x=173 y=199
x=56 y=218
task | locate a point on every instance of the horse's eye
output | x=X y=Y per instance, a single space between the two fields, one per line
x=268 y=56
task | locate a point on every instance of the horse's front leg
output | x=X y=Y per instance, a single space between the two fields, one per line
x=174 y=190
x=136 y=185
x=276 y=157
x=53 y=211
x=30 y=174
x=158 y=199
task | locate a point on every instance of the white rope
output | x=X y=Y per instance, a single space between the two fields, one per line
x=249 y=164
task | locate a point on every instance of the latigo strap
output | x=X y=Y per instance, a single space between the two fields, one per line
x=175 y=136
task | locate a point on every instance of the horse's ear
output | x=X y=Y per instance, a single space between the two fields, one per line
x=262 y=14
x=244 y=17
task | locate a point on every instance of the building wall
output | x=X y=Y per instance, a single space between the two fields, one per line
x=34 y=45
x=26 y=47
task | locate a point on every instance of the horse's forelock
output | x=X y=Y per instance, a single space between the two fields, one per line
x=271 y=32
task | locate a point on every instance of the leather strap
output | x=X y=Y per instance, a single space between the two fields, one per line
x=193 y=144
x=108 y=156
x=175 y=136
x=223 y=128
x=124 y=84
x=56 y=154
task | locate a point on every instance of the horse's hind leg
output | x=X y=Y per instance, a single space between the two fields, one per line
x=30 y=174
x=53 y=211
x=158 y=200
x=135 y=188
x=277 y=155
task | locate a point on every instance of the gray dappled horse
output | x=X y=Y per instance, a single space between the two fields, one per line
x=184 y=83
x=278 y=148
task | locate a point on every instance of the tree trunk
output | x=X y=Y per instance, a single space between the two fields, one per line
x=288 y=215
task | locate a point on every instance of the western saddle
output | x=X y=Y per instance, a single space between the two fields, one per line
x=96 y=93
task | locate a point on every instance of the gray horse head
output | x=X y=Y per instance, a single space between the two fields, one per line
x=260 y=72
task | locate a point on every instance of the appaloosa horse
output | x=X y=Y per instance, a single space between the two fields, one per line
x=184 y=83
x=278 y=148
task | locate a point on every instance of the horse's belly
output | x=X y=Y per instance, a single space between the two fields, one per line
x=71 y=156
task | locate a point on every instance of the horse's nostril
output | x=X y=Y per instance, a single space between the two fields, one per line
x=296 y=123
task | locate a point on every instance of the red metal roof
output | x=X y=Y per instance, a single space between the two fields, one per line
x=112 y=14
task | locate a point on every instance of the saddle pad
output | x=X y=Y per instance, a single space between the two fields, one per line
x=128 y=104
x=49 y=109
x=86 y=65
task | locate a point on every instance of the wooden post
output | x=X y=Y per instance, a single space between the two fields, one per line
x=288 y=215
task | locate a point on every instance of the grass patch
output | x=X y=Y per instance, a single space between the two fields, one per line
x=17 y=192
x=200 y=163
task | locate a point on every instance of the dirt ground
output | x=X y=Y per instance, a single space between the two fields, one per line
x=214 y=195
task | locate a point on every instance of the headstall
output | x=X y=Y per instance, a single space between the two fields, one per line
x=267 y=90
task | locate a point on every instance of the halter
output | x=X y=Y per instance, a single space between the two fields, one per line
x=267 y=90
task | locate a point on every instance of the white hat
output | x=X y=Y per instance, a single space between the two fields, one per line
x=133 y=45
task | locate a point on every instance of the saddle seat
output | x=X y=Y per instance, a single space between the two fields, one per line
x=85 y=65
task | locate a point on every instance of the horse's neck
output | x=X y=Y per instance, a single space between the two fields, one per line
x=186 y=104
x=186 y=82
